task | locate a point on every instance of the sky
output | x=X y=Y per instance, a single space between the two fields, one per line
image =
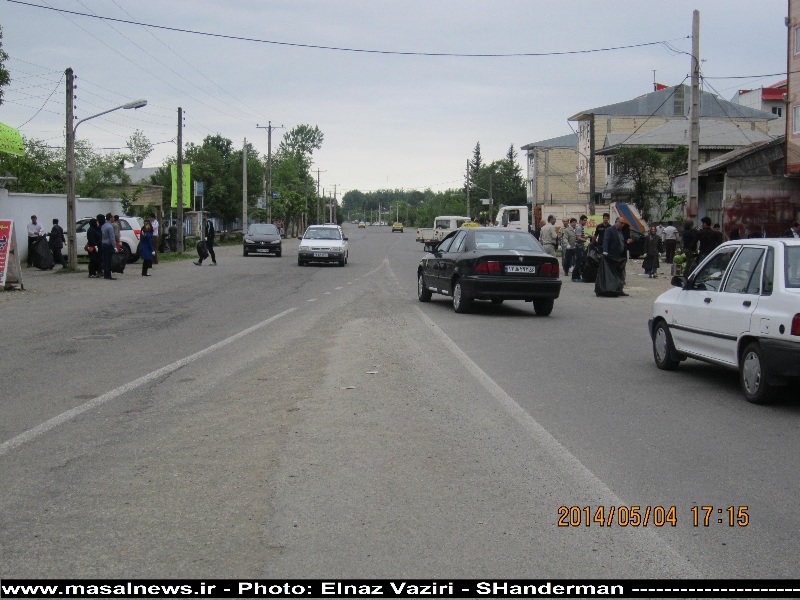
x=394 y=85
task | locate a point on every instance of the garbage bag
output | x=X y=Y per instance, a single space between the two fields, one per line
x=118 y=262
x=591 y=261
x=202 y=250
x=42 y=254
x=610 y=279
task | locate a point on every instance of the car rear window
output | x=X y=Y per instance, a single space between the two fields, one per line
x=792 y=266
x=506 y=240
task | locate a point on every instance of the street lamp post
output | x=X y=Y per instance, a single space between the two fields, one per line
x=71 y=129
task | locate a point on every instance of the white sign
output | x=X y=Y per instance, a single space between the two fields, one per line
x=485 y=201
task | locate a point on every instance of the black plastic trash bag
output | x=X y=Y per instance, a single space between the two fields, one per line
x=610 y=279
x=42 y=254
x=202 y=250
x=591 y=262
x=118 y=262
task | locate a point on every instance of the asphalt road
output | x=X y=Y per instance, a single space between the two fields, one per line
x=260 y=419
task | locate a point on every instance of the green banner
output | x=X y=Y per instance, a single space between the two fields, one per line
x=11 y=141
x=186 y=183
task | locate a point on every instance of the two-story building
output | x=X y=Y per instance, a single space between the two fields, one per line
x=551 y=170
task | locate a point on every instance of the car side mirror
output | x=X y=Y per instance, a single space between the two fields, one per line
x=678 y=281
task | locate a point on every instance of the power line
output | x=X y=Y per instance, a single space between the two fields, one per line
x=664 y=43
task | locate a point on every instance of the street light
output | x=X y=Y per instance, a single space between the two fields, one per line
x=73 y=251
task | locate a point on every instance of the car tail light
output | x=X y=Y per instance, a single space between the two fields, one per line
x=137 y=233
x=489 y=267
x=549 y=269
x=796 y=325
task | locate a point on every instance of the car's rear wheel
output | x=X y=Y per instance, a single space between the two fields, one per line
x=663 y=348
x=753 y=375
x=461 y=301
x=543 y=306
x=423 y=293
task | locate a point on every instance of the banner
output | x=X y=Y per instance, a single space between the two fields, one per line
x=9 y=261
x=187 y=186
x=11 y=141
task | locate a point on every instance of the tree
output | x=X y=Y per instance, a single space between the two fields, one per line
x=41 y=171
x=301 y=140
x=5 y=77
x=139 y=146
x=98 y=175
x=476 y=164
x=642 y=167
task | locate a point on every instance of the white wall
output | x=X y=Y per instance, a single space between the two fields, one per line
x=20 y=207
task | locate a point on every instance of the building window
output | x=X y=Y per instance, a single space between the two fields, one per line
x=796 y=119
x=776 y=110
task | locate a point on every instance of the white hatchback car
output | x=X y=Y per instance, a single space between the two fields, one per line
x=740 y=308
x=323 y=243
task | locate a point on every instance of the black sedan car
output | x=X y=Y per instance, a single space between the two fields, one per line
x=490 y=263
x=262 y=238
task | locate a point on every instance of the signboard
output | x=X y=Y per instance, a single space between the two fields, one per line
x=485 y=201
x=9 y=261
x=198 y=188
x=261 y=202
x=187 y=186
x=11 y=141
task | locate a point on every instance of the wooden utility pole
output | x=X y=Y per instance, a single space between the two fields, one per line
x=591 y=164
x=72 y=250
x=694 y=120
x=269 y=129
x=179 y=181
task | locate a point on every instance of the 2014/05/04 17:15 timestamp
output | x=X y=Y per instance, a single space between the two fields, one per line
x=642 y=516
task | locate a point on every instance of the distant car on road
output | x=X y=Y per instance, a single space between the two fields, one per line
x=323 y=243
x=488 y=263
x=262 y=238
x=740 y=309
x=361 y=225
x=397 y=226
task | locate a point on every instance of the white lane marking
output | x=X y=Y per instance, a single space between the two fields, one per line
x=326 y=294
x=312 y=300
x=42 y=428
x=338 y=288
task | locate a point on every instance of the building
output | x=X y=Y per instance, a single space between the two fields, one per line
x=771 y=99
x=643 y=114
x=551 y=170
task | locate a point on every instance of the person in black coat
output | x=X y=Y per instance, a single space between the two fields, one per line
x=793 y=231
x=93 y=239
x=56 y=243
x=615 y=258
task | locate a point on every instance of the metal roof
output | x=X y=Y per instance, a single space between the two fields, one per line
x=663 y=104
x=714 y=135
x=565 y=141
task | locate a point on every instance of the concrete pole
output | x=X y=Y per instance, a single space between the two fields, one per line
x=179 y=181
x=72 y=251
x=694 y=120
x=244 y=187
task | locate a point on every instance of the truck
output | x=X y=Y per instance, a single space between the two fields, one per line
x=442 y=226
x=520 y=217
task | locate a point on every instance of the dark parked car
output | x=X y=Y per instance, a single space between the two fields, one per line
x=262 y=238
x=490 y=263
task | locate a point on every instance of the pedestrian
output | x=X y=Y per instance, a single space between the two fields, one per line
x=548 y=236
x=210 y=234
x=568 y=241
x=689 y=242
x=34 y=233
x=670 y=241
x=94 y=238
x=794 y=231
x=734 y=233
x=114 y=221
x=615 y=256
x=154 y=223
x=599 y=231
x=652 y=248
x=107 y=245
x=147 y=247
x=581 y=237
x=718 y=237
x=56 y=242
x=707 y=240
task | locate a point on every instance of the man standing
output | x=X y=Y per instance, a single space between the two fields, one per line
x=154 y=223
x=210 y=234
x=548 y=236
x=56 y=243
x=794 y=231
x=599 y=231
x=107 y=245
x=580 y=240
x=34 y=232
x=670 y=241
x=615 y=252
x=568 y=244
x=707 y=240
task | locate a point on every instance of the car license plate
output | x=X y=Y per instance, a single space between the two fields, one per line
x=320 y=255
x=262 y=250
x=520 y=269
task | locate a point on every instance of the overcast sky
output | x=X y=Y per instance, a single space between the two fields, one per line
x=390 y=120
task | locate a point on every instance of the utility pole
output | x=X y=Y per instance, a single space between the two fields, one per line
x=318 y=196
x=591 y=164
x=269 y=129
x=333 y=202
x=179 y=182
x=468 y=186
x=244 y=186
x=694 y=119
x=71 y=220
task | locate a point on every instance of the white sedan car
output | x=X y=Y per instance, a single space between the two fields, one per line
x=323 y=243
x=740 y=308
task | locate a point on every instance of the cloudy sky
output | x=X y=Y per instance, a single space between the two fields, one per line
x=390 y=83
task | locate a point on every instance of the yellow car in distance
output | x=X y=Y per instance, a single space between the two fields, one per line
x=361 y=225
x=397 y=227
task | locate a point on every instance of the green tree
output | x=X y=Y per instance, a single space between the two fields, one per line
x=302 y=140
x=139 y=147
x=5 y=77
x=41 y=171
x=98 y=175
x=642 y=167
